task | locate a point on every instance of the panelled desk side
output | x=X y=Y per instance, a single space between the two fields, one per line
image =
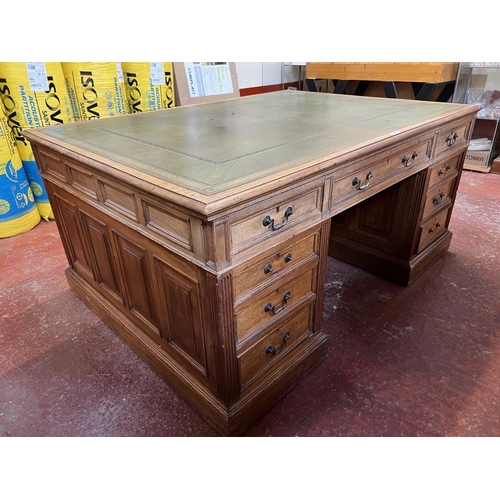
x=208 y=258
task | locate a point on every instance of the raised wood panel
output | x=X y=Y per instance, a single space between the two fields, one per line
x=136 y=276
x=73 y=241
x=53 y=165
x=98 y=237
x=119 y=199
x=82 y=180
x=181 y=320
x=374 y=218
x=171 y=224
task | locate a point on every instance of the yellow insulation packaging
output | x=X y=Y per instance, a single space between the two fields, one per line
x=34 y=94
x=96 y=89
x=18 y=211
x=149 y=85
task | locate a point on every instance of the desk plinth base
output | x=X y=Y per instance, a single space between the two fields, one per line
x=230 y=420
x=398 y=271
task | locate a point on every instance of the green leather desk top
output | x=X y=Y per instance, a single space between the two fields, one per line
x=210 y=148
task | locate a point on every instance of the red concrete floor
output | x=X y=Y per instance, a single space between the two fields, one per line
x=416 y=361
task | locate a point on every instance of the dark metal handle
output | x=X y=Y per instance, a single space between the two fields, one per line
x=407 y=162
x=435 y=200
x=447 y=167
x=268 y=221
x=288 y=257
x=272 y=350
x=440 y=172
x=275 y=309
x=437 y=224
x=451 y=140
x=357 y=182
x=268 y=268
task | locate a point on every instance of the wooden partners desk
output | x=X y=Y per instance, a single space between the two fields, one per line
x=200 y=234
x=423 y=76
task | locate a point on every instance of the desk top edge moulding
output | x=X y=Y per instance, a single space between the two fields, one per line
x=200 y=234
x=241 y=147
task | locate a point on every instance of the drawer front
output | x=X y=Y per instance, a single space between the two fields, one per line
x=275 y=302
x=452 y=138
x=438 y=196
x=275 y=345
x=269 y=265
x=276 y=215
x=443 y=169
x=432 y=229
x=352 y=181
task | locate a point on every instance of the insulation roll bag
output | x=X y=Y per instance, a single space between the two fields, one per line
x=149 y=85
x=96 y=89
x=34 y=94
x=18 y=210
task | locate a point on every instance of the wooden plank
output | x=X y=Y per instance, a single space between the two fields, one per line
x=485 y=169
x=424 y=72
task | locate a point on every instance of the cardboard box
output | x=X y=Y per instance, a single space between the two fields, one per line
x=197 y=83
x=477 y=158
x=483 y=129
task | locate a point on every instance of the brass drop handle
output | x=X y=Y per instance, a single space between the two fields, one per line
x=275 y=309
x=451 y=140
x=357 y=182
x=272 y=350
x=269 y=221
x=407 y=162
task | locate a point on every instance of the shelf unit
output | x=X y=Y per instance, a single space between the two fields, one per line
x=479 y=83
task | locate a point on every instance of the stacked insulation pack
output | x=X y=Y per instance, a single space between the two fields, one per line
x=149 y=86
x=96 y=89
x=34 y=94
x=18 y=211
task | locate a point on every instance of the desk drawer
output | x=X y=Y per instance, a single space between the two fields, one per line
x=269 y=265
x=276 y=301
x=452 y=138
x=275 y=345
x=276 y=216
x=443 y=169
x=438 y=196
x=355 y=179
x=431 y=229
